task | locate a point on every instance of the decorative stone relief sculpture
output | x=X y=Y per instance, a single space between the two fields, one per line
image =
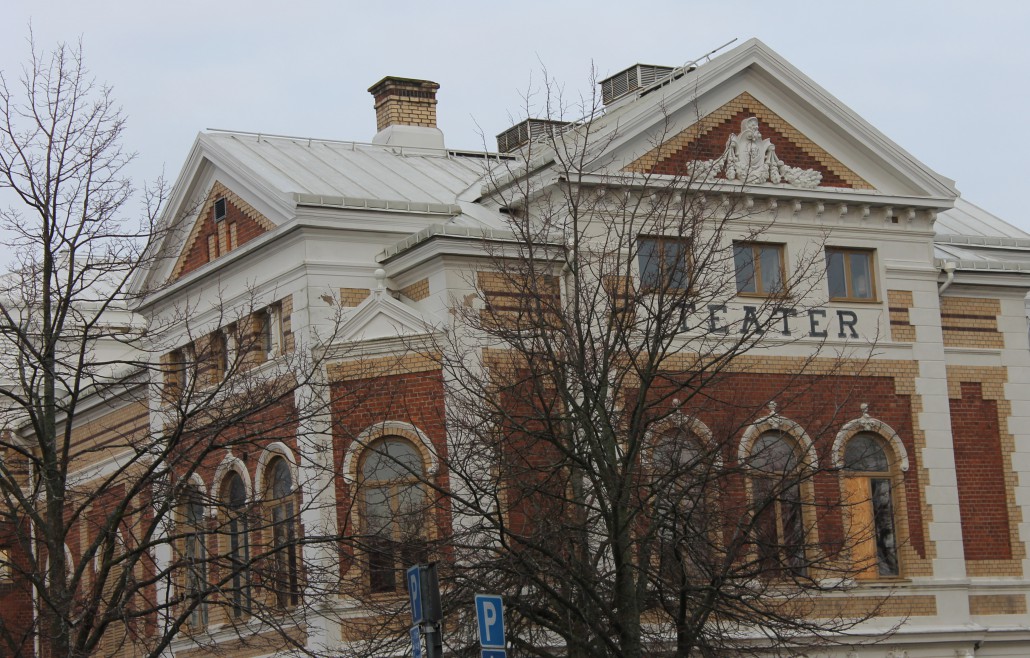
x=751 y=160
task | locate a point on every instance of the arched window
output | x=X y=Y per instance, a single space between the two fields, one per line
x=394 y=503
x=867 y=486
x=195 y=555
x=682 y=477
x=282 y=515
x=237 y=542
x=779 y=526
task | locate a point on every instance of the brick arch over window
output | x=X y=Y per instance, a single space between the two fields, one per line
x=774 y=422
x=369 y=435
x=678 y=421
x=869 y=424
x=270 y=453
x=231 y=463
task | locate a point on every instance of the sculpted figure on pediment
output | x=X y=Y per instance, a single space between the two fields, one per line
x=752 y=160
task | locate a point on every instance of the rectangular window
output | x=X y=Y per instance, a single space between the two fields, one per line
x=219 y=210
x=664 y=263
x=759 y=268
x=217 y=357
x=849 y=273
x=179 y=369
x=270 y=332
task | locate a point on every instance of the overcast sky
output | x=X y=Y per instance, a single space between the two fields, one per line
x=944 y=79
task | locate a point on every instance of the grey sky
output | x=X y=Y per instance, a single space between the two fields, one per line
x=945 y=79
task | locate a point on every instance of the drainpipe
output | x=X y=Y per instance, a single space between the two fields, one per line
x=949 y=271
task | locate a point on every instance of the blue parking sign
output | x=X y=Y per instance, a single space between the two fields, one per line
x=416 y=642
x=490 y=614
x=414 y=578
x=493 y=653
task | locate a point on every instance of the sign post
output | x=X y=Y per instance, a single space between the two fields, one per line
x=490 y=615
x=426 y=614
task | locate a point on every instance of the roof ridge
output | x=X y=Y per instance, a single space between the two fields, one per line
x=403 y=150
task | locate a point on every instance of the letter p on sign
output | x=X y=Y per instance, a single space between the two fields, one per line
x=490 y=614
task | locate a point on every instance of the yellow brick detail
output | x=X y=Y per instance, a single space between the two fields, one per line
x=647 y=162
x=218 y=190
x=416 y=291
x=971 y=322
x=895 y=605
x=353 y=296
x=400 y=364
x=899 y=303
x=997 y=604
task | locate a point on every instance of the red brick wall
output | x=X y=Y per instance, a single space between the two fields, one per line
x=15 y=602
x=246 y=230
x=980 y=471
x=414 y=398
x=820 y=405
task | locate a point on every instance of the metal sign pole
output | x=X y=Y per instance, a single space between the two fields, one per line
x=426 y=611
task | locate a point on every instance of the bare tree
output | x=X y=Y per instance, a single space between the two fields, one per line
x=623 y=467
x=109 y=546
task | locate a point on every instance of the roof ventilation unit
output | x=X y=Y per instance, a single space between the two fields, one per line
x=527 y=131
x=633 y=78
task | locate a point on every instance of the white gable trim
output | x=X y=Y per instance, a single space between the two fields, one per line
x=638 y=116
x=382 y=316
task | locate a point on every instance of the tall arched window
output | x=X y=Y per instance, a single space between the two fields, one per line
x=779 y=525
x=195 y=554
x=237 y=542
x=681 y=474
x=282 y=515
x=394 y=503
x=867 y=486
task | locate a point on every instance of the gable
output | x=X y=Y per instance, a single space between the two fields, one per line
x=208 y=240
x=381 y=316
x=707 y=140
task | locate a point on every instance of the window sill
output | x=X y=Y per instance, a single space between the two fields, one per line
x=783 y=297
x=845 y=300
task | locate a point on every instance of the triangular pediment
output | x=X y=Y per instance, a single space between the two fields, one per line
x=215 y=234
x=381 y=316
x=797 y=132
x=709 y=139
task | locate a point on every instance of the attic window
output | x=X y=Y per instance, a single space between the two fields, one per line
x=219 y=210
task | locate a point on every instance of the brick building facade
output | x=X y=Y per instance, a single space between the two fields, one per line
x=360 y=253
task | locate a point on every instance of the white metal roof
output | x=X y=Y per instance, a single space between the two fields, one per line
x=968 y=219
x=309 y=169
x=973 y=238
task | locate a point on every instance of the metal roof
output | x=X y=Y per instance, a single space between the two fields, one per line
x=313 y=169
x=974 y=239
x=968 y=219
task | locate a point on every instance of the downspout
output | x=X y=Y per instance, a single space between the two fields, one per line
x=949 y=272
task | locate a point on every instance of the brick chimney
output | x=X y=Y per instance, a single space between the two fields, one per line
x=406 y=112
